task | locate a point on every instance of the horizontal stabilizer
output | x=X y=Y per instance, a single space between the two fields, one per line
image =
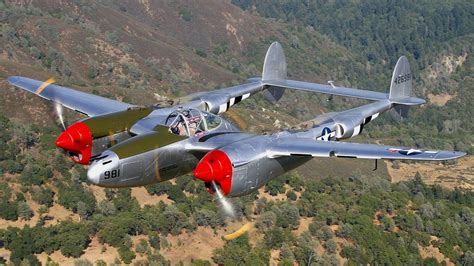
x=327 y=89
x=407 y=101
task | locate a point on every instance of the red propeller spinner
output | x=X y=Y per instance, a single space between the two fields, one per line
x=215 y=166
x=77 y=140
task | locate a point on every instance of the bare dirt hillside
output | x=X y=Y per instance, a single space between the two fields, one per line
x=459 y=174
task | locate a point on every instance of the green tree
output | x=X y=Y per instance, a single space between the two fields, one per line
x=275 y=237
x=92 y=70
x=331 y=246
x=287 y=215
x=291 y=195
x=172 y=221
x=154 y=240
x=265 y=221
x=286 y=253
x=344 y=230
x=9 y=210
x=209 y=218
x=142 y=247
x=305 y=253
x=240 y=252
x=73 y=238
x=200 y=263
x=126 y=255
x=107 y=207
x=325 y=233
x=24 y=211
x=44 y=196
x=82 y=210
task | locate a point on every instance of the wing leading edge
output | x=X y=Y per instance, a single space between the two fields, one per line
x=82 y=102
x=309 y=147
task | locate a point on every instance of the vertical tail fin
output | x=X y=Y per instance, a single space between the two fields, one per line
x=401 y=89
x=401 y=80
x=274 y=68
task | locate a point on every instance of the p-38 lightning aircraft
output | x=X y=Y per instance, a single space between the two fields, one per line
x=127 y=145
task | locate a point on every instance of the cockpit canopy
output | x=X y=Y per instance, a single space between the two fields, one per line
x=189 y=122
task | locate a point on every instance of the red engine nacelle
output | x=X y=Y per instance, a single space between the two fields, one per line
x=77 y=140
x=215 y=166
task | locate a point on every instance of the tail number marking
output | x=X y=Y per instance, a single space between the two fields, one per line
x=402 y=78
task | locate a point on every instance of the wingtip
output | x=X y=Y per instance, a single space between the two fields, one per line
x=460 y=154
x=420 y=101
x=12 y=79
x=450 y=155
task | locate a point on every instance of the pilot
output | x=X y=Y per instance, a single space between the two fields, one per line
x=180 y=129
x=174 y=130
x=192 y=126
x=192 y=123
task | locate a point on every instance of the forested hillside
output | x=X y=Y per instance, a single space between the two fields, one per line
x=328 y=212
x=379 y=30
x=436 y=36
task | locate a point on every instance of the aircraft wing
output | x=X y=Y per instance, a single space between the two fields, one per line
x=315 y=148
x=219 y=101
x=82 y=102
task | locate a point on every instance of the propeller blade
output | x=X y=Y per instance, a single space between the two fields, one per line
x=58 y=110
x=223 y=203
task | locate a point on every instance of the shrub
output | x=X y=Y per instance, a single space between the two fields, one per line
x=92 y=70
x=126 y=254
x=185 y=14
x=209 y=218
x=291 y=195
x=44 y=196
x=201 y=52
x=331 y=246
x=265 y=221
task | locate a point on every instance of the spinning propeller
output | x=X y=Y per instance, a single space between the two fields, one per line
x=74 y=139
x=223 y=203
x=57 y=107
x=215 y=169
x=58 y=110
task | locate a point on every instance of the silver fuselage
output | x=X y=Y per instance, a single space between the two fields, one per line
x=251 y=166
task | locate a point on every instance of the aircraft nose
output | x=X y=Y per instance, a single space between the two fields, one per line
x=97 y=174
x=93 y=174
